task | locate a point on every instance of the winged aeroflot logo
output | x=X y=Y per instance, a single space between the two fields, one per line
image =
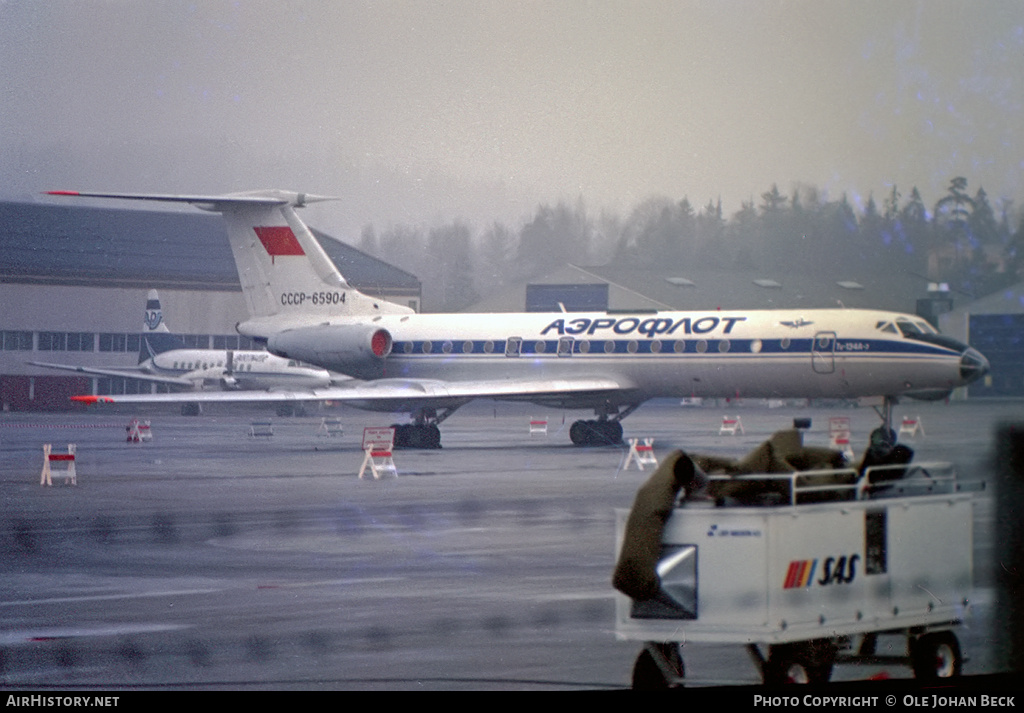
x=798 y=322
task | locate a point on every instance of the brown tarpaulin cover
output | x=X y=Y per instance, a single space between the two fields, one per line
x=635 y=573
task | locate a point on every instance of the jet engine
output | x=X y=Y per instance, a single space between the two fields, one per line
x=358 y=350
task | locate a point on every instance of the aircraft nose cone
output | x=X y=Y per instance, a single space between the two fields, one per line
x=973 y=365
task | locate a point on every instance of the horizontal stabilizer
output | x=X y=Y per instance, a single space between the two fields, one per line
x=286 y=276
x=209 y=202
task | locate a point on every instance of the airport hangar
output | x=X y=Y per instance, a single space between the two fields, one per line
x=74 y=281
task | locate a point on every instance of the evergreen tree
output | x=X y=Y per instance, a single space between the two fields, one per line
x=982 y=225
x=892 y=206
x=871 y=243
x=954 y=209
x=914 y=225
x=744 y=229
x=405 y=247
x=451 y=250
x=712 y=248
x=1015 y=251
x=778 y=242
x=497 y=252
x=554 y=237
x=951 y=224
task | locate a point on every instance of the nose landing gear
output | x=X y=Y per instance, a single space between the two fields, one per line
x=883 y=438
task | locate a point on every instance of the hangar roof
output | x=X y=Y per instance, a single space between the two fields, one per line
x=770 y=289
x=76 y=245
x=1009 y=300
x=695 y=288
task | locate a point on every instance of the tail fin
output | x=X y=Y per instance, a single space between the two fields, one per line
x=287 y=278
x=153 y=320
x=156 y=337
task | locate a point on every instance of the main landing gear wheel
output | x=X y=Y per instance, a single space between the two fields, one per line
x=935 y=656
x=596 y=433
x=417 y=435
x=286 y=409
x=800 y=663
x=649 y=676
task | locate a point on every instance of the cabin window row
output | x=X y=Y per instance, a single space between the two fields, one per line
x=583 y=346
x=193 y=365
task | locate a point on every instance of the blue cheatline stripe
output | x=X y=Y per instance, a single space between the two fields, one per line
x=705 y=347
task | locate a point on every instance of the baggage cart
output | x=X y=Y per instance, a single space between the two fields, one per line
x=812 y=575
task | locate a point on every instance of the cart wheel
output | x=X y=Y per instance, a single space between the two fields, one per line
x=937 y=655
x=648 y=676
x=801 y=663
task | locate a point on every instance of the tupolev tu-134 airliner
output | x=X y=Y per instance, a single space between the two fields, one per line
x=428 y=365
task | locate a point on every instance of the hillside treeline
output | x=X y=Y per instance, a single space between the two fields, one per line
x=961 y=240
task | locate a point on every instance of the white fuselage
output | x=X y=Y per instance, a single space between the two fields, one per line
x=244 y=370
x=835 y=353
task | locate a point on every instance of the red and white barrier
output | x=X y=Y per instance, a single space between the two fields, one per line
x=911 y=426
x=65 y=459
x=330 y=427
x=538 y=425
x=839 y=435
x=641 y=452
x=731 y=426
x=377 y=446
x=263 y=429
x=139 y=431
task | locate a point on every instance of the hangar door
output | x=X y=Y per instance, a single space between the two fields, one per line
x=1000 y=337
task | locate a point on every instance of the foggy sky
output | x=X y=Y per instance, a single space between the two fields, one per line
x=421 y=112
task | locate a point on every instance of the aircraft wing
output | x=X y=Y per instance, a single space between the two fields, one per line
x=122 y=373
x=392 y=394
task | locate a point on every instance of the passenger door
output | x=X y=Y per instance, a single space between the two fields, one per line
x=823 y=353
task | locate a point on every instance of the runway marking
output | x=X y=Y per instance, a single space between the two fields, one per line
x=577 y=596
x=61 y=425
x=35 y=635
x=330 y=582
x=185 y=592
x=109 y=597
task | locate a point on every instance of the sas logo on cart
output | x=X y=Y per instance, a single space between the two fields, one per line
x=834 y=570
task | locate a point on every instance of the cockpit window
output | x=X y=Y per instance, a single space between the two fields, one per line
x=886 y=327
x=926 y=328
x=908 y=328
